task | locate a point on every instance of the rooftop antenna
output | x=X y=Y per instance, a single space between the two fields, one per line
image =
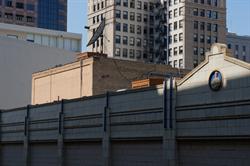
x=98 y=33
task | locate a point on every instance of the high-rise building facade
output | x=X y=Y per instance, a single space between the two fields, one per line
x=49 y=14
x=175 y=32
x=239 y=45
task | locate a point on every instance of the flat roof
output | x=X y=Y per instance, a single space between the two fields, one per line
x=35 y=30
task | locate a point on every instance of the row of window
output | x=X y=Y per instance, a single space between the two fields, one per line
x=208 y=2
x=131 y=15
x=98 y=18
x=175 y=12
x=236 y=47
x=202 y=39
x=175 y=51
x=139 y=5
x=174 y=26
x=205 y=13
x=175 y=63
x=19 y=5
x=18 y=17
x=208 y=26
x=130 y=53
x=175 y=37
x=139 y=29
x=98 y=6
x=132 y=41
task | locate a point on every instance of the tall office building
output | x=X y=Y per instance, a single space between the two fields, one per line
x=49 y=14
x=175 y=32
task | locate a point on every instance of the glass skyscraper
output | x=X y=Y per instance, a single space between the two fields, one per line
x=49 y=14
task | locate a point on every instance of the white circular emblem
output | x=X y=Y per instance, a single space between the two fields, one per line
x=215 y=80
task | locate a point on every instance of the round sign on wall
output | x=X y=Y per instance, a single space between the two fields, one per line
x=215 y=81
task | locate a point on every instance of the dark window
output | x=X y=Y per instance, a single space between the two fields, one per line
x=30 y=7
x=195 y=24
x=8 y=3
x=125 y=3
x=19 y=5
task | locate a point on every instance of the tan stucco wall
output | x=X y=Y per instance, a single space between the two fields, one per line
x=70 y=81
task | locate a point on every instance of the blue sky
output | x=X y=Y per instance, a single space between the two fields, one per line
x=238 y=17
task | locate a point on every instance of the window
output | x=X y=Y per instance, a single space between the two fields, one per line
x=19 y=17
x=132 y=16
x=175 y=51
x=19 y=5
x=139 y=17
x=125 y=27
x=209 y=14
x=175 y=2
x=195 y=24
x=139 y=4
x=195 y=11
x=118 y=2
x=209 y=2
x=117 y=39
x=138 y=29
x=209 y=26
x=94 y=8
x=125 y=52
x=215 y=28
x=30 y=7
x=202 y=52
x=244 y=48
x=180 y=36
x=145 y=6
x=132 y=4
x=215 y=39
x=195 y=37
x=202 y=12
x=118 y=14
x=118 y=26
x=175 y=13
x=181 y=50
x=175 y=63
x=202 y=1
x=145 y=18
x=125 y=40
x=93 y=20
x=175 y=25
x=195 y=51
x=102 y=4
x=131 y=41
x=170 y=52
x=202 y=40
x=215 y=2
x=138 y=42
x=145 y=30
x=138 y=54
x=170 y=26
x=202 y=26
x=8 y=3
x=117 y=52
x=132 y=28
x=30 y=19
x=181 y=24
x=170 y=14
x=151 y=7
x=131 y=53
x=181 y=63
x=237 y=47
x=125 y=3
x=215 y=15
x=125 y=15
x=181 y=11
x=229 y=46
x=208 y=39
x=175 y=39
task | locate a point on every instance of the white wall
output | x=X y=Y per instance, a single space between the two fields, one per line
x=18 y=60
